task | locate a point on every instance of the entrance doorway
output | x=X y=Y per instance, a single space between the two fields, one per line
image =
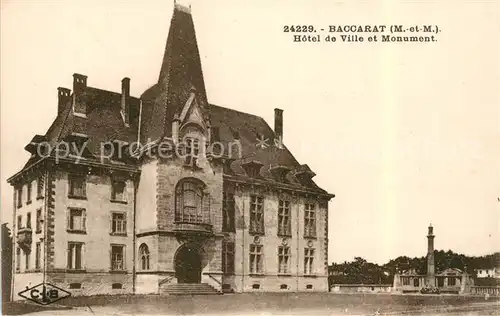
x=188 y=265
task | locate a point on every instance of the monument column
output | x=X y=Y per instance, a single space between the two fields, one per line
x=431 y=279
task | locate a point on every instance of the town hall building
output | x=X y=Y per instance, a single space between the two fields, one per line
x=166 y=193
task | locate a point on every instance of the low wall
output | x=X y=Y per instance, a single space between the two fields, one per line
x=483 y=290
x=383 y=288
x=361 y=288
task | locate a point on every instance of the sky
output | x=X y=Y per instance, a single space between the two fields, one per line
x=404 y=134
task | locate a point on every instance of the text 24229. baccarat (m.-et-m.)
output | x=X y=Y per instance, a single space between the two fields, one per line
x=362 y=33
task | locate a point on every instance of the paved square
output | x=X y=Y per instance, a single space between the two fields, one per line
x=280 y=304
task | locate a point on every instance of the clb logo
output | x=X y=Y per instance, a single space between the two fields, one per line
x=44 y=294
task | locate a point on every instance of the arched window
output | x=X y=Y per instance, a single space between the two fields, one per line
x=192 y=203
x=144 y=256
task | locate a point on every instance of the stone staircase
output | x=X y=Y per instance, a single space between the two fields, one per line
x=189 y=289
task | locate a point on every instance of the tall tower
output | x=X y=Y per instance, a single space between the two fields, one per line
x=431 y=280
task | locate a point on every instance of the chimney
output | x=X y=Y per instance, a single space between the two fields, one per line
x=79 y=85
x=63 y=96
x=431 y=280
x=278 y=124
x=125 y=103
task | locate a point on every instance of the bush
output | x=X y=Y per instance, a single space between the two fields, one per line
x=487 y=282
x=429 y=290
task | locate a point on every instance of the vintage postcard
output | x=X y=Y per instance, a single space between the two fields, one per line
x=230 y=157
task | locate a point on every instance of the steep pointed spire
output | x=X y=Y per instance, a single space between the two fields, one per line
x=181 y=68
x=180 y=75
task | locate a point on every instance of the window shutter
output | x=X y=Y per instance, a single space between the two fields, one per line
x=261 y=219
x=82 y=256
x=70 y=256
x=84 y=220
x=289 y=224
x=68 y=219
x=313 y=223
x=206 y=207
x=178 y=204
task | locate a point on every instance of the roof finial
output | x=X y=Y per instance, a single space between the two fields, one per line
x=431 y=230
x=182 y=7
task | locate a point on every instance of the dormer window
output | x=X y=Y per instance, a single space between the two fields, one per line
x=192 y=146
x=279 y=172
x=304 y=175
x=76 y=145
x=121 y=150
x=281 y=177
x=252 y=168
x=191 y=151
x=118 y=150
x=253 y=172
x=35 y=146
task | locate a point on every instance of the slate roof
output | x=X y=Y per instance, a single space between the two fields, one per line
x=249 y=129
x=180 y=73
x=103 y=123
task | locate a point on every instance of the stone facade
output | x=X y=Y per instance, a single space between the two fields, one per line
x=271 y=279
x=143 y=221
x=27 y=205
x=51 y=209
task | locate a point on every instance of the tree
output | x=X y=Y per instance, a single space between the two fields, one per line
x=6 y=262
x=360 y=271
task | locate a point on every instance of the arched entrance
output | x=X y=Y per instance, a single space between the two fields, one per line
x=188 y=265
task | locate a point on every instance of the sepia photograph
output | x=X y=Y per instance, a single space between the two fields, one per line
x=230 y=157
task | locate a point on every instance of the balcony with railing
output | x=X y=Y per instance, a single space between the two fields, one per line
x=188 y=227
x=193 y=223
